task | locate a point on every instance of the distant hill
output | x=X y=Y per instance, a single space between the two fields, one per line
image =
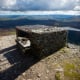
x=41 y=17
x=21 y=22
x=11 y=21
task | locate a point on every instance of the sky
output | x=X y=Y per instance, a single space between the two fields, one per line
x=55 y=6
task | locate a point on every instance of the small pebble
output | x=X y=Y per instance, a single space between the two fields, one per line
x=39 y=75
x=47 y=71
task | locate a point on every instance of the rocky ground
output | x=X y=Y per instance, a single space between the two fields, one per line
x=61 y=65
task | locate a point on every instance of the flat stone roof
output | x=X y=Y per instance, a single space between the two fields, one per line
x=40 y=28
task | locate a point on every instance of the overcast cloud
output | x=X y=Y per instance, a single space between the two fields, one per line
x=42 y=6
x=39 y=5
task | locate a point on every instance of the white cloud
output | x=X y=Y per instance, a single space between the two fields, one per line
x=39 y=4
x=7 y=3
x=40 y=12
x=77 y=8
x=10 y=2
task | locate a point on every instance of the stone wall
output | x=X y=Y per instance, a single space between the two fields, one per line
x=44 y=41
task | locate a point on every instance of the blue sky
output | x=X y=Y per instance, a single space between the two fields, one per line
x=62 y=6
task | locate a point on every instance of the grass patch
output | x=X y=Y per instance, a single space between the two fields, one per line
x=64 y=50
x=57 y=76
x=7 y=32
x=70 y=71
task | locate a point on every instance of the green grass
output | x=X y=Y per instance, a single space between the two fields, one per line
x=57 y=76
x=7 y=32
x=70 y=71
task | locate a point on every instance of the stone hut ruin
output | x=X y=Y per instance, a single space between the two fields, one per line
x=43 y=40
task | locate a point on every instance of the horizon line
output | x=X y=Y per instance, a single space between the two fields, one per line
x=68 y=12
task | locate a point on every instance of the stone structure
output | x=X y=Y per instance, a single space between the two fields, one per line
x=44 y=39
